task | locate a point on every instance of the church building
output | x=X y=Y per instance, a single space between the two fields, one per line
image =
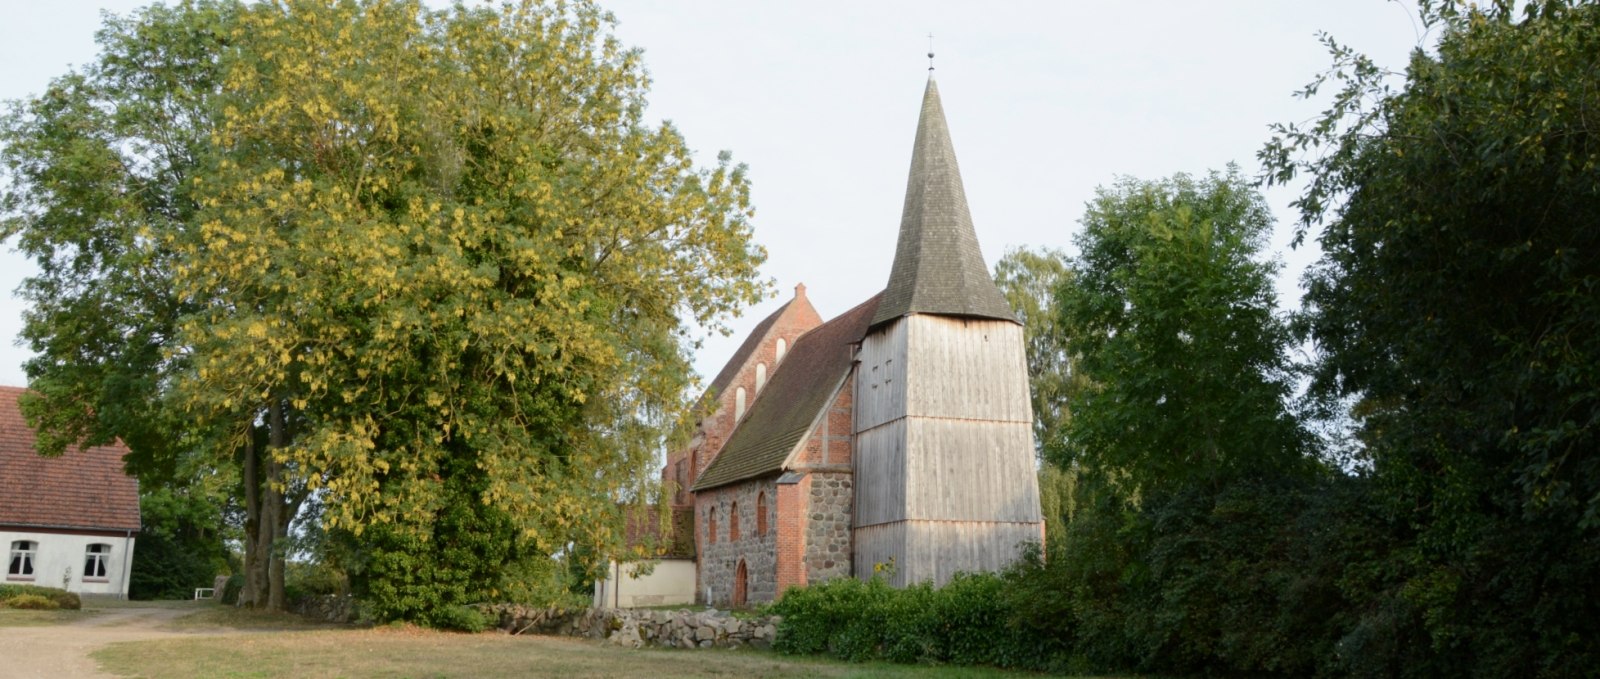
x=893 y=439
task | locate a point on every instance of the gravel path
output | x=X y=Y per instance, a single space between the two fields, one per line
x=62 y=651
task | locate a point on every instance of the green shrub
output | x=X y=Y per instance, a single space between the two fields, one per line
x=308 y=579
x=967 y=622
x=61 y=597
x=32 y=602
x=460 y=618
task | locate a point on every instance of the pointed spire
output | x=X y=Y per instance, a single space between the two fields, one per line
x=938 y=268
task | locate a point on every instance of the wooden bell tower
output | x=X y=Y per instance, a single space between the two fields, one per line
x=944 y=462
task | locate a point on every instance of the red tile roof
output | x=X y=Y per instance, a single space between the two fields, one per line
x=83 y=489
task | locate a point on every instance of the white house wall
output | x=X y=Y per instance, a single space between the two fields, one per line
x=59 y=560
x=670 y=583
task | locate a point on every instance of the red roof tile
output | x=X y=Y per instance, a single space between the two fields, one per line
x=83 y=489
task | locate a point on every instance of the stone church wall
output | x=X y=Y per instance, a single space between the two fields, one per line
x=719 y=559
x=827 y=548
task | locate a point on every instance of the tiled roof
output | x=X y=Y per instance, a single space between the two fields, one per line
x=784 y=411
x=730 y=370
x=938 y=268
x=82 y=489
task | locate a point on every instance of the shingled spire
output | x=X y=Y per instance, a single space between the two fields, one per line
x=938 y=268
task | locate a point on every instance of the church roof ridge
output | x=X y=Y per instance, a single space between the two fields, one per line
x=938 y=267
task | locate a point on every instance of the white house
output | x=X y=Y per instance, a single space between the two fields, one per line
x=67 y=522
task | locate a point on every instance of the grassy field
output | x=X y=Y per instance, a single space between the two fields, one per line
x=281 y=645
x=409 y=652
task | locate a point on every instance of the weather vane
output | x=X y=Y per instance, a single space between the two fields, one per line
x=930 y=52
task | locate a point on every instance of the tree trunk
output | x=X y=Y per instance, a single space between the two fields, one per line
x=251 y=594
x=276 y=523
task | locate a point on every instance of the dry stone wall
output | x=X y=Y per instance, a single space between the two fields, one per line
x=637 y=628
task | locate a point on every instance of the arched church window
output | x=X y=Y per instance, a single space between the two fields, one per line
x=761 y=376
x=783 y=347
x=738 y=403
x=711 y=526
x=761 y=513
x=733 y=523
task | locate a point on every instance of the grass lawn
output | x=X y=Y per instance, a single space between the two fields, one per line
x=15 y=617
x=410 y=652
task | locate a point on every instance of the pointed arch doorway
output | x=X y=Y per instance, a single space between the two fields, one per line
x=741 y=584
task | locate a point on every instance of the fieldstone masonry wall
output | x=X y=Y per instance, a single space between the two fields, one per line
x=338 y=608
x=636 y=628
x=720 y=559
x=827 y=551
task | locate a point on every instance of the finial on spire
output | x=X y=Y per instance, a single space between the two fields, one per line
x=930 y=53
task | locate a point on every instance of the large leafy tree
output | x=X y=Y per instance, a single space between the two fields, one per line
x=1459 y=300
x=1030 y=280
x=1171 y=310
x=426 y=263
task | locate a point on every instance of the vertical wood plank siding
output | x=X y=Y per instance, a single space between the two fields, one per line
x=944 y=461
x=969 y=470
x=880 y=464
x=969 y=369
x=881 y=377
x=937 y=550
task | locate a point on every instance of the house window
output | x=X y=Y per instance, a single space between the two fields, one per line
x=21 y=564
x=711 y=527
x=761 y=513
x=94 y=563
x=761 y=376
x=738 y=403
x=733 y=523
x=782 y=348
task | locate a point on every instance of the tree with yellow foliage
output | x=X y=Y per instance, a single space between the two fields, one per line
x=432 y=267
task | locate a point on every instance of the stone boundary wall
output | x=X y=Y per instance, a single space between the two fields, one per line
x=635 y=627
x=325 y=608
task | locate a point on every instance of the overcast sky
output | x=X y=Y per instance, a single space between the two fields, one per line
x=1046 y=101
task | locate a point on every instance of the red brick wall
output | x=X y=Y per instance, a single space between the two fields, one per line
x=715 y=429
x=791 y=532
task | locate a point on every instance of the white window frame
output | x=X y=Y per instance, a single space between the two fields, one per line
x=20 y=565
x=94 y=563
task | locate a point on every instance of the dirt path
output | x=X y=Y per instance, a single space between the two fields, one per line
x=56 y=651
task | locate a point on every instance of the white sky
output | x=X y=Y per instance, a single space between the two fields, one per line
x=1045 y=101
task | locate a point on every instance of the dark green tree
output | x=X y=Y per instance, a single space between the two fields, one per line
x=1458 y=300
x=1172 y=313
x=1030 y=280
x=181 y=542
